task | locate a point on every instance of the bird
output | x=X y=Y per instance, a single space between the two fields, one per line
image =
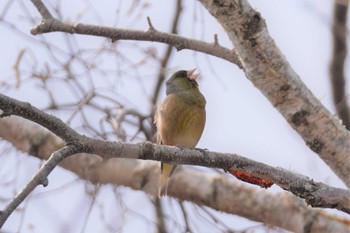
x=179 y=118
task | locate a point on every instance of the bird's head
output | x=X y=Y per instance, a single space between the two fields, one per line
x=182 y=81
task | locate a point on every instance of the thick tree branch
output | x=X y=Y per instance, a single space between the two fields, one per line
x=315 y=193
x=266 y=66
x=9 y=106
x=337 y=66
x=216 y=191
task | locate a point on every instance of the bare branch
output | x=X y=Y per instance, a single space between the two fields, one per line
x=268 y=70
x=16 y=67
x=54 y=25
x=160 y=218
x=9 y=106
x=40 y=178
x=315 y=193
x=337 y=65
x=45 y=13
x=151 y=28
x=213 y=190
x=216 y=40
x=266 y=66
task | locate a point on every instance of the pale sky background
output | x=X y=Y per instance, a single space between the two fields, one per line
x=239 y=118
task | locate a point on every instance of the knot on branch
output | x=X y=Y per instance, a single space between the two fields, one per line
x=52 y=25
x=315 y=145
x=300 y=118
x=148 y=151
x=5 y=112
x=179 y=47
x=44 y=181
x=251 y=27
x=36 y=142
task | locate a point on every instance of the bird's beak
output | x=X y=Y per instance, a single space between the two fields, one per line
x=192 y=75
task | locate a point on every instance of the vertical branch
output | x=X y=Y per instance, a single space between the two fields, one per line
x=338 y=61
x=168 y=52
x=159 y=216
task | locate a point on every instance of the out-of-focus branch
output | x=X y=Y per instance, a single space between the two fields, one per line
x=337 y=65
x=160 y=79
x=315 y=193
x=267 y=68
x=160 y=218
x=213 y=190
x=40 y=178
x=165 y=60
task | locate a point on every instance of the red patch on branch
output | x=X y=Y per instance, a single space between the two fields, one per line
x=246 y=177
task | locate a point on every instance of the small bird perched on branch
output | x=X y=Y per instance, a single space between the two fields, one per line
x=180 y=118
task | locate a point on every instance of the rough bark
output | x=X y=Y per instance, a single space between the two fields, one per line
x=267 y=68
x=216 y=191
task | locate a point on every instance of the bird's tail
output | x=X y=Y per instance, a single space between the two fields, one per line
x=166 y=171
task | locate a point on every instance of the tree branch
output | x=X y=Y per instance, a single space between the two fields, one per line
x=337 y=65
x=40 y=178
x=40 y=6
x=50 y=24
x=315 y=193
x=9 y=106
x=266 y=66
x=273 y=76
x=213 y=190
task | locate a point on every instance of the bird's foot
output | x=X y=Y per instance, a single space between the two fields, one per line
x=203 y=151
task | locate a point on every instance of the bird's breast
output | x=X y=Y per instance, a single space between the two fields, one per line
x=180 y=123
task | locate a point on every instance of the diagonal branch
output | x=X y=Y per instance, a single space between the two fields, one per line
x=266 y=66
x=337 y=66
x=40 y=178
x=9 y=106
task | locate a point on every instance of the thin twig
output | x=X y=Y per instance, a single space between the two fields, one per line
x=184 y=214
x=39 y=178
x=159 y=215
x=40 y=6
x=16 y=67
x=151 y=28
